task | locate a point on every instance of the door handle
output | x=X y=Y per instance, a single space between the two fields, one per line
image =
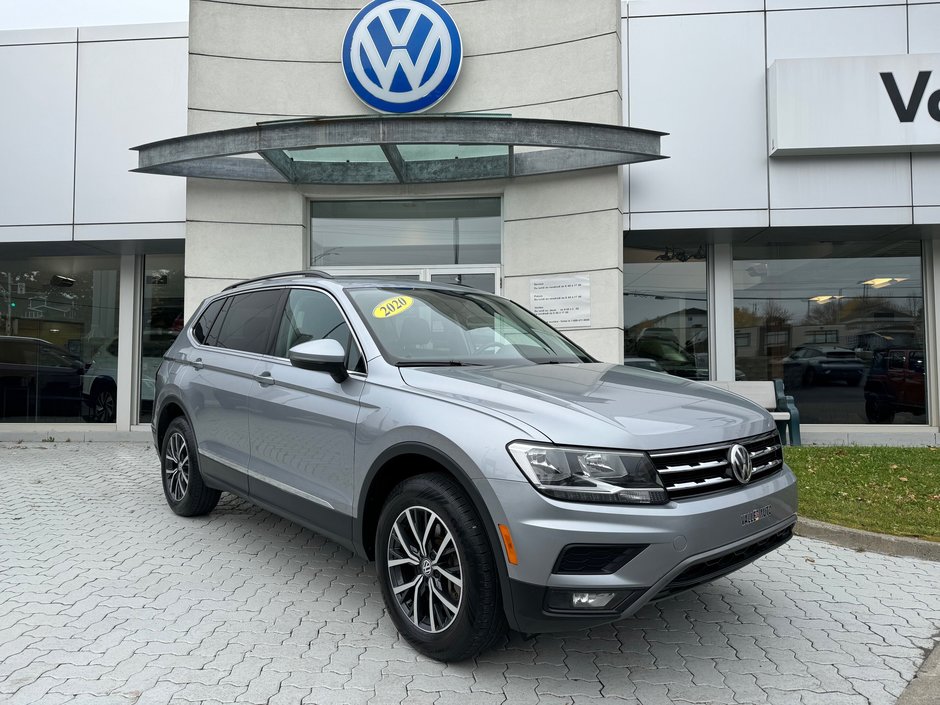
x=265 y=379
x=197 y=363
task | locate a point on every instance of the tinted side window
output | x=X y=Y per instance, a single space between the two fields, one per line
x=312 y=315
x=53 y=358
x=248 y=321
x=204 y=324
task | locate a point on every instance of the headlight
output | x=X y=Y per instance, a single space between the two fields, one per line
x=585 y=475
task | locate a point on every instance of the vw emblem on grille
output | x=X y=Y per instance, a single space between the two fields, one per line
x=740 y=460
x=402 y=56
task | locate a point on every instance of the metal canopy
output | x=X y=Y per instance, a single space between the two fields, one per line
x=398 y=149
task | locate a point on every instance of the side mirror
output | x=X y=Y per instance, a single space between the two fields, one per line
x=325 y=355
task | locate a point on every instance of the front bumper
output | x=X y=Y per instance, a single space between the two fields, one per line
x=686 y=543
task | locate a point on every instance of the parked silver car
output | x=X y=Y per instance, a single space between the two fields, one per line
x=495 y=472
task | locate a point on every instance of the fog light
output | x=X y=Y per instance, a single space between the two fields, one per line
x=582 y=600
x=591 y=599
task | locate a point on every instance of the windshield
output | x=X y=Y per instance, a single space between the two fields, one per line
x=430 y=326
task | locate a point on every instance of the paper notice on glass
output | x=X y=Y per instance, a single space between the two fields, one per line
x=562 y=301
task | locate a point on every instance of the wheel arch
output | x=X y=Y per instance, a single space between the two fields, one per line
x=405 y=460
x=171 y=409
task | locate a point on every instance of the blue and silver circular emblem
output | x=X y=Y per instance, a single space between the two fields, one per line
x=402 y=56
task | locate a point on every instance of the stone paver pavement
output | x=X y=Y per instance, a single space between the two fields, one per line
x=107 y=597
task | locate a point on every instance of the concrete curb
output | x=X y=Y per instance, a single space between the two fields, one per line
x=868 y=541
x=925 y=686
x=75 y=436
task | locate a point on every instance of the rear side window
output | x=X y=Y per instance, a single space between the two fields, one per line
x=247 y=321
x=204 y=324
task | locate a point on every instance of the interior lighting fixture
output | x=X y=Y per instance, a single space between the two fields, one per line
x=825 y=298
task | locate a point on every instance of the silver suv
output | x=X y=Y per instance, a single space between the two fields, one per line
x=496 y=473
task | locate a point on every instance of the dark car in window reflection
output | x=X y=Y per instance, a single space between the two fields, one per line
x=671 y=357
x=895 y=383
x=38 y=380
x=810 y=365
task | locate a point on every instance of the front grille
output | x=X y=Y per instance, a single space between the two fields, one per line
x=691 y=472
x=728 y=563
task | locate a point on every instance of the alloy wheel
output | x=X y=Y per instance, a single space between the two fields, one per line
x=104 y=406
x=176 y=466
x=424 y=569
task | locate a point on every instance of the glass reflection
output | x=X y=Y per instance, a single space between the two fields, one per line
x=55 y=313
x=665 y=310
x=844 y=332
x=389 y=233
x=162 y=318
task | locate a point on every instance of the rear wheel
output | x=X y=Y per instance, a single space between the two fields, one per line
x=437 y=570
x=183 y=486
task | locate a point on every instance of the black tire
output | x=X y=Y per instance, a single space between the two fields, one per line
x=809 y=377
x=103 y=403
x=479 y=620
x=183 y=486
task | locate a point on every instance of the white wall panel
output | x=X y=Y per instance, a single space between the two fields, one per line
x=861 y=31
x=809 y=4
x=700 y=78
x=925 y=168
x=37 y=124
x=130 y=92
x=838 y=181
x=650 y=8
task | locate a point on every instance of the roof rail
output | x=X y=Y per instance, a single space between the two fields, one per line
x=299 y=273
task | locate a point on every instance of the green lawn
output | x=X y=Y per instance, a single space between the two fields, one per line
x=887 y=490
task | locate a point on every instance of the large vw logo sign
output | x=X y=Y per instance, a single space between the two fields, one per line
x=402 y=56
x=740 y=461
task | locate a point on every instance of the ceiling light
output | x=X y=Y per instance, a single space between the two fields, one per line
x=881 y=282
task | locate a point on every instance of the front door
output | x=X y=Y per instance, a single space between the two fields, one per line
x=303 y=422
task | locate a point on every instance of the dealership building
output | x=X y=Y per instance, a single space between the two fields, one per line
x=736 y=189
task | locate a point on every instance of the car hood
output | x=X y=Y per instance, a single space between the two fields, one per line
x=599 y=404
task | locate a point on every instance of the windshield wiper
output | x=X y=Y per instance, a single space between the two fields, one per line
x=438 y=363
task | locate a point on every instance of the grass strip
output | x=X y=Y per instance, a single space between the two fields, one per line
x=888 y=490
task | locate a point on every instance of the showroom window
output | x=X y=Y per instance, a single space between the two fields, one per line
x=828 y=318
x=665 y=309
x=58 y=339
x=453 y=241
x=161 y=320
x=413 y=232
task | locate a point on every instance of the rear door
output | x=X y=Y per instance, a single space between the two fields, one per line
x=222 y=381
x=303 y=422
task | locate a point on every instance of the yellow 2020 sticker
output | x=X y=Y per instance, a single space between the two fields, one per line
x=392 y=307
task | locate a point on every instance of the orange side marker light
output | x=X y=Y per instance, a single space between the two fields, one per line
x=510 y=546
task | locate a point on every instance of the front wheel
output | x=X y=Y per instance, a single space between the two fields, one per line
x=437 y=570
x=183 y=486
